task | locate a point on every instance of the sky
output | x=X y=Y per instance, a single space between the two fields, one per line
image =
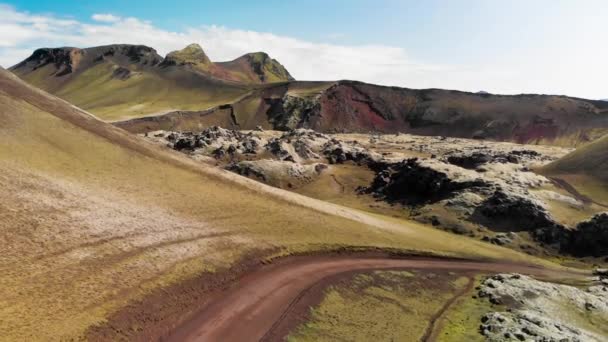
x=505 y=47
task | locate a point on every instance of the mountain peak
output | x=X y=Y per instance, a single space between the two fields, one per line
x=266 y=68
x=258 y=55
x=138 y=54
x=65 y=59
x=193 y=47
x=190 y=55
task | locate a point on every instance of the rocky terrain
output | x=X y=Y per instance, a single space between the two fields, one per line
x=481 y=189
x=281 y=159
x=533 y=310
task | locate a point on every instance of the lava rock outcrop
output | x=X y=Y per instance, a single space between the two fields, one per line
x=590 y=238
x=410 y=182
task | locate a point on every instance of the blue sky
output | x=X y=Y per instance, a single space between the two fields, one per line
x=512 y=46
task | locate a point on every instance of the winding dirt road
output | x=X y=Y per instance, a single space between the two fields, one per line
x=249 y=310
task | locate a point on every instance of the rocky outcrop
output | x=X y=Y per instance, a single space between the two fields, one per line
x=279 y=149
x=512 y=212
x=282 y=174
x=473 y=160
x=65 y=60
x=590 y=238
x=192 y=54
x=256 y=67
x=339 y=152
x=135 y=54
x=541 y=311
x=291 y=112
x=507 y=210
x=122 y=73
x=267 y=69
x=216 y=141
x=411 y=182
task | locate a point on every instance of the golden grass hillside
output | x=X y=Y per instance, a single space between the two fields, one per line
x=590 y=159
x=92 y=218
x=586 y=169
x=144 y=93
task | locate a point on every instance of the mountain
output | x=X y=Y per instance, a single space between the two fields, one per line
x=94 y=218
x=142 y=91
x=255 y=67
x=122 y=81
x=348 y=106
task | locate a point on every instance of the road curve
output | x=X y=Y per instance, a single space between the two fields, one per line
x=250 y=308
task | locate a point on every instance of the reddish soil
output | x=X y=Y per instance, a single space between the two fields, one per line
x=260 y=299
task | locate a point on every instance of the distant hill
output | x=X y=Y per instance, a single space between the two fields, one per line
x=255 y=67
x=122 y=81
x=348 y=106
x=141 y=91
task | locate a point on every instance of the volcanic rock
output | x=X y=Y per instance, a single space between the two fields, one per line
x=590 y=237
x=411 y=182
x=535 y=310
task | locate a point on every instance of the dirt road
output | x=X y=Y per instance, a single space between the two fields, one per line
x=250 y=309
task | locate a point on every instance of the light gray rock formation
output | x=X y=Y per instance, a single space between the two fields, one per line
x=542 y=311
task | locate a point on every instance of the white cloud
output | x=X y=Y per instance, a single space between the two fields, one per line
x=22 y=32
x=106 y=18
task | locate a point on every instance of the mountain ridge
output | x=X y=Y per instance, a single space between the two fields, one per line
x=138 y=89
x=254 y=70
x=353 y=106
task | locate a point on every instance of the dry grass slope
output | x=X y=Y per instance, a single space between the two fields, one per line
x=118 y=82
x=142 y=94
x=590 y=159
x=92 y=217
x=586 y=169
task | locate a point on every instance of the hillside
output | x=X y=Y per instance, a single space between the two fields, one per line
x=586 y=169
x=122 y=81
x=94 y=218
